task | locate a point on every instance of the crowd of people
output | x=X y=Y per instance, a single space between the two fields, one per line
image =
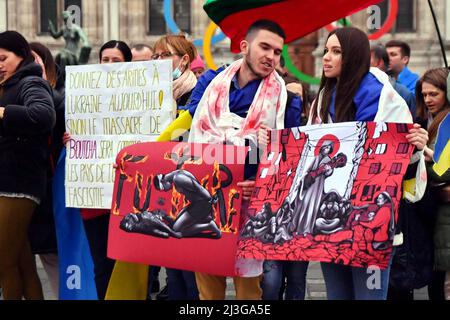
x=256 y=86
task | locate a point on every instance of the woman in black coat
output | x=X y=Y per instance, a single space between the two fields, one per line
x=27 y=117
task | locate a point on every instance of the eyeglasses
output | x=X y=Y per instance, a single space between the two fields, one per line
x=163 y=55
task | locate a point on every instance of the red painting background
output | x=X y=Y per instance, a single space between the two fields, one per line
x=352 y=246
x=214 y=256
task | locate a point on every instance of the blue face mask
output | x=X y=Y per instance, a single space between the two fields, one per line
x=176 y=73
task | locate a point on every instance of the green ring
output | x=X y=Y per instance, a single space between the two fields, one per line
x=297 y=73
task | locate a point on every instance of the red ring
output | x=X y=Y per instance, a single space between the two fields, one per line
x=387 y=25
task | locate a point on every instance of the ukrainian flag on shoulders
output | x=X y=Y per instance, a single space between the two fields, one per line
x=441 y=155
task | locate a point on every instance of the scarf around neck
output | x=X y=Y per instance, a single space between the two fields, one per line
x=213 y=121
x=185 y=83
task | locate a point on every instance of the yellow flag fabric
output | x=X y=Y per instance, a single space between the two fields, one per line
x=179 y=126
x=409 y=187
x=129 y=281
x=443 y=164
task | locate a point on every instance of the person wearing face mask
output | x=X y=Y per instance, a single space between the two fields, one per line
x=27 y=117
x=180 y=284
x=182 y=53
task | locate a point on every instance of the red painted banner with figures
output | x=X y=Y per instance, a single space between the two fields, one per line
x=177 y=205
x=328 y=193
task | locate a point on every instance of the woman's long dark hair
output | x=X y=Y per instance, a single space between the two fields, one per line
x=355 y=65
x=120 y=45
x=14 y=42
x=438 y=78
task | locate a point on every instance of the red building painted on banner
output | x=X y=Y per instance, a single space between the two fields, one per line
x=362 y=234
x=275 y=182
x=381 y=163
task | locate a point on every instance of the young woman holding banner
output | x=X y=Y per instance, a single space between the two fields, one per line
x=352 y=91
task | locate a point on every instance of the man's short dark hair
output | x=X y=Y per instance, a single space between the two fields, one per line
x=380 y=53
x=268 y=25
x=404 y=47
x=140 y=47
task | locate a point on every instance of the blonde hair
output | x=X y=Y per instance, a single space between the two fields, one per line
x=179 y=43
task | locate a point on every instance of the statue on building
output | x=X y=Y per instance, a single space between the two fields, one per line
x=73 y=34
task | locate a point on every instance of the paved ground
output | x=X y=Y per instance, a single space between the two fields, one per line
x=315 y=288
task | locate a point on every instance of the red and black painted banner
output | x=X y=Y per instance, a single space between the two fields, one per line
x=177 y=205
x=328 y=193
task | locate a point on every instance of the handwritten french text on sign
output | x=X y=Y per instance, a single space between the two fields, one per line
x=108 y=107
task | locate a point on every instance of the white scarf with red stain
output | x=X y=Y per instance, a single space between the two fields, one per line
x=213 y=121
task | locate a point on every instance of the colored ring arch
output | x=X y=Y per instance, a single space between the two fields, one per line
x=387 y=25
x=173 y=27
x=207 y=41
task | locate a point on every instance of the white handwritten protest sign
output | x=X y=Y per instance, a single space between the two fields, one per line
x=108 y=107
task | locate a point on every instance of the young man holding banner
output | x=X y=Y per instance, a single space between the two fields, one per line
x=230 y=106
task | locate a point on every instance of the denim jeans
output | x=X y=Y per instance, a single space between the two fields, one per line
x=352 y=283
x=274 y=276
x=182 y=285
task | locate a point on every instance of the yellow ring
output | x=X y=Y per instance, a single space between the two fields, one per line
x=209 y=32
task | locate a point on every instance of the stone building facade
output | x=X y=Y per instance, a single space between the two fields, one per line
x=142 y=21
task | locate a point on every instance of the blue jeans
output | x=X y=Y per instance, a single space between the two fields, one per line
x=352 y=283
x=182 y=285
x=274 y=275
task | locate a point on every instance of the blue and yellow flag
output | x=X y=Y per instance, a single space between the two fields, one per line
x=129 y=281
x=441 y=155
x=76 y=268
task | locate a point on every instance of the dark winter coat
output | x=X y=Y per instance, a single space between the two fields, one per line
x=412 y=265
x=28 y=119
x=442 y=228
x=42 y=231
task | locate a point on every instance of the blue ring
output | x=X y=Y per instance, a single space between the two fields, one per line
x=173 y=27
